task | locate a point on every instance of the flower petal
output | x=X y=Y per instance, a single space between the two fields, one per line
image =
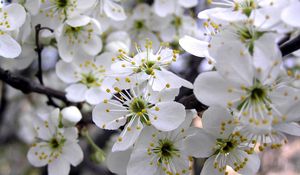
x=66 y=72
x=167 y=116
x=129 y=135
x=34 y=153
x=76 y=92
x=199 y=143
x=117 y=161
x=72 y=153
x=194 y=46
x=212 y=89
x=213 y=120
x=9 y=48
x=59 y=166
x=289 y=128
x=109 y=115
x=96 y=95
x=114 y=11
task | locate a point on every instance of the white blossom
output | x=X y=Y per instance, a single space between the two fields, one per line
x=79 y=37
x=12 y=17
x=57 y=146
x=87 y=78
x=136 y=109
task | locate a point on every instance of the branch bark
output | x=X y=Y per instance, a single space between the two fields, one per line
x=290 y=46
x=28 y=86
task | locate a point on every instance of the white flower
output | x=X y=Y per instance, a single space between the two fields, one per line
x=260 y=44
x=256 y=94
x=77 y=37
x=138 y=108
x=265 y=13
x=57 y=146
x=273 y=135
x=143 y=23
x=151 y=67
x=223 y=147
x=87 y=78
x=12 y=18
x=111 y=9
x=179 y=25
x=166 y=7
x=52 y=13
x=160 y=153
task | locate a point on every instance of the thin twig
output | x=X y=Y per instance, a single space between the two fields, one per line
x=38 y=50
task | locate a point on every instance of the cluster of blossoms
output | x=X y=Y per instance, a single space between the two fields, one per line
x=111 y=63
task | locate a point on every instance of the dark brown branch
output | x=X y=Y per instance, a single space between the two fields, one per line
x=27 y=86
x=38 y=50
x=290 y=46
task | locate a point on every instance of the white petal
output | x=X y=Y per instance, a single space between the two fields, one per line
x=167 y=116
x=9 y=48
x=129 y=135
x=117 y=161
x=212 y=89
x=194 y=46
x=168 y=34
x=72 y=153
x=16 y=16
x=70 y=133
x=104 y=115
x=200 y=143
x=252 y=166
x=114 y=11
x=289 y=16
x=213 y=118
x=59 y=166
x=164 y=95
x=77 y=21
x=76 y=92
x=33 y=6
x=85 y=4
x=240 y=69
x=65 y=49
x=93 y=45
x=96 y=95
x=34 y=153
x=71 y=115
x=208 y=168
x=104 y=60
x=66 y=72
x=166 y=78
x=164 y=7
x=188 y=3
x=139 y=163
x=289 y=128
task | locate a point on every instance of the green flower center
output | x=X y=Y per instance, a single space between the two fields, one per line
x=139 y=24
x=247 y=6
x=249 y=36
x=62 y=3
x=54 y=143
x=138 y=106
x=177 y=22
x=89 y=80
x=257 y=93
x=165 y=150
x=226 y=146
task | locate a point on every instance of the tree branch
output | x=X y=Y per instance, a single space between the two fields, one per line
x=290 y=46
x=27 y=86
